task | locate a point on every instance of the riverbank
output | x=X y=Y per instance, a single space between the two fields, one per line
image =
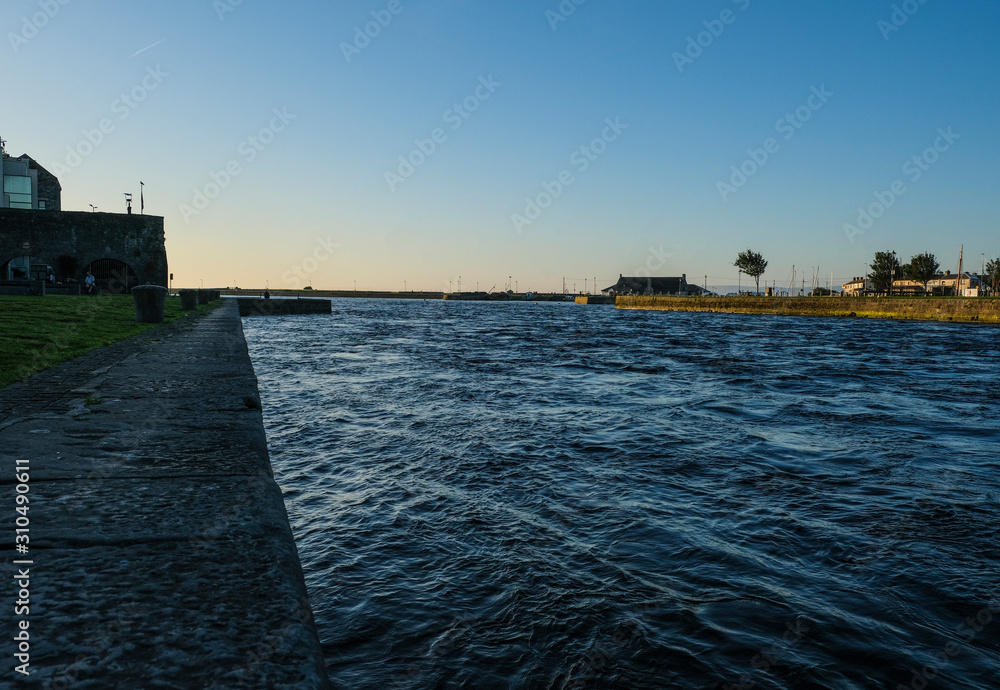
x=159 y=552
x=40 y=332
x=967 y=310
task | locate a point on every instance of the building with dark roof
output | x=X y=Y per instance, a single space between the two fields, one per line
x=652 y=286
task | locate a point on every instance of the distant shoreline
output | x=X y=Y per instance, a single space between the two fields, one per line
x=410 y=294
x=948 y=309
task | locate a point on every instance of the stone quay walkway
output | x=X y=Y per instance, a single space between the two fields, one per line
x=155 y=550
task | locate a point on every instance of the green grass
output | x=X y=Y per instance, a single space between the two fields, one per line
x=39 y=332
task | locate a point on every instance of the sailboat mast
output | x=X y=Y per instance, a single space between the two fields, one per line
x=958 y=290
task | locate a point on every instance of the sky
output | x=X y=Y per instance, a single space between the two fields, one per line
x=396 y=145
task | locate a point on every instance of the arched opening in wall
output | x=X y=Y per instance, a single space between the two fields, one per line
x=67 y=268
x=24 y=268
x=113 y=276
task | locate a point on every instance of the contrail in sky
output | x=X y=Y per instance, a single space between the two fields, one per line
x=147 y=48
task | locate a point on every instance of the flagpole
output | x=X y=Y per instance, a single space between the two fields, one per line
x=142 y=199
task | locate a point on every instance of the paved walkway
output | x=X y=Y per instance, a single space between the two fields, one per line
x=161 y=555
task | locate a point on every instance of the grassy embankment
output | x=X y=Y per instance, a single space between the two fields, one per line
x=967 y=310
x=39 y=332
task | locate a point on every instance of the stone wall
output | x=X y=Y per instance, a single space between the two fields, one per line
x=135 y=240
x=283 y=307
x=970 y=309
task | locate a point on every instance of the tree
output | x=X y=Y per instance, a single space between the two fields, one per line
x=993 y=270
x=921 y=269
x=751 y=263
x=884 y=270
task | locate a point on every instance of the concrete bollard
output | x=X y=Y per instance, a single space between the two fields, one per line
x=149 y=302
x=203 y=296
x=189 y=299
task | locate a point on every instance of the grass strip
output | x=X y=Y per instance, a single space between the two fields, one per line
x=40 y=332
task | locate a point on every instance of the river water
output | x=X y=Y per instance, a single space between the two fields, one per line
x=513 y=495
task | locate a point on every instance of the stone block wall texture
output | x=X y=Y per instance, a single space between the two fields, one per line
x=136 y=240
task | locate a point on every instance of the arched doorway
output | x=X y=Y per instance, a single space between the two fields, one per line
x=112 y=276
x=24 y=268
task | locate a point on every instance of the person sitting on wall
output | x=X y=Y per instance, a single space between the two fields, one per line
x=90 y=282
x=267 y=295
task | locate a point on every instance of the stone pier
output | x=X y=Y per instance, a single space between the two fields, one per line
x=159 y=551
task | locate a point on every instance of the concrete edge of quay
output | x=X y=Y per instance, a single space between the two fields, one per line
x=280 y=306
x=959 y=310
x=157 y=550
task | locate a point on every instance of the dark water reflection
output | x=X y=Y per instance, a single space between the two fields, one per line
x=554 y=496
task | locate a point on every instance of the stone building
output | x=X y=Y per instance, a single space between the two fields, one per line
x=652 y=286
x=39 y=241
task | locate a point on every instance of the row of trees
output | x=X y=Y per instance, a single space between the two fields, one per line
x=884 y=269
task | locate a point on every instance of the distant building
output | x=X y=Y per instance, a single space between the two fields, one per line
x=942 y=285
x=856 y=287
x=27 y=185
x=948 y=284
x=651 y=286
x=907 y=287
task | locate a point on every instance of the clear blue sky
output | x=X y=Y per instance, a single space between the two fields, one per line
x=312 y=193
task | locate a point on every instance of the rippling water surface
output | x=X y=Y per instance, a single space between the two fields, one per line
x=557 y=496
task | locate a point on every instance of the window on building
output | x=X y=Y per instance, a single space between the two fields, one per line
x=18 y=189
